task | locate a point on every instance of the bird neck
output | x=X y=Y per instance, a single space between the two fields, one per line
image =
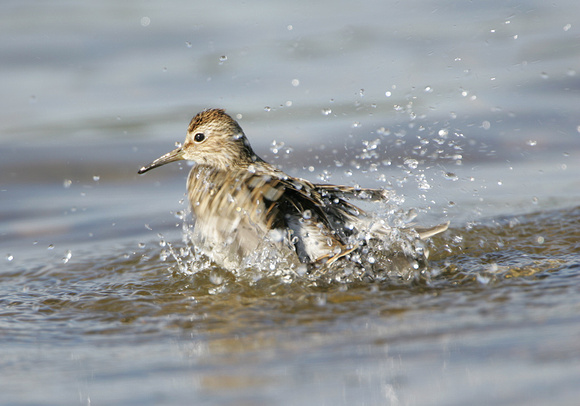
x=250 y=161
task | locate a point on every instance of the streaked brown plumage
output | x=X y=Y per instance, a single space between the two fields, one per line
x=240 y=201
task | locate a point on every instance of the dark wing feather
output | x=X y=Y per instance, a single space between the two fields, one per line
x=351 y=191
x=317 y=236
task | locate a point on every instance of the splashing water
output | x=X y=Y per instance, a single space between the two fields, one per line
x=387 y=248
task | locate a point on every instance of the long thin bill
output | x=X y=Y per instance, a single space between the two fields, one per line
x=175 y=155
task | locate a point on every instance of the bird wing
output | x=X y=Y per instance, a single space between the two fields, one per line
x=353 y=191
x=243 y=207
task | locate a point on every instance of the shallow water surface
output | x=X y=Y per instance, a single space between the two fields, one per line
x=495 y=301
x=467 y=113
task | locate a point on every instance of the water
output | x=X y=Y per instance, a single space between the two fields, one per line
x=468 y=112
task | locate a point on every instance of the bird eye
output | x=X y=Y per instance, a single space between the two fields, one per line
x=199 y=137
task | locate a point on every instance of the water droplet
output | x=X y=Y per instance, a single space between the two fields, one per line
x=222 y=59
x=320 y=300
x=540 y=239
x=411 y=163
x=295 y=82
x=141 y=245
x=67 y=183
x=532 y=143
x=67 y=256
x=388 y=94
x=371 y=145
x=484 y=280
x=486 y=125
x=567 y=27
x=267 y=108
x=544 y=75
x=311 y=168
x=361 y=92
x=423 y=184
x=383 y=131
x=188 y=44
x=216 y=278
x=96 y=178
x=307 y=214
x=145 y=21
x=326 y=112
x=356 y=124
x=428 y=89
x=50 y=247
x=289 y=27
x=276 y=235
x=451 y=176
x=9 y=257
x=288 y=103
x=276 y=146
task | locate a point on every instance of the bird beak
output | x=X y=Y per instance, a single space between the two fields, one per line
x=175 y=155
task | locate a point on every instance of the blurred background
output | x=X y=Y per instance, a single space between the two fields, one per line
x=94 y=90
x=470 y=110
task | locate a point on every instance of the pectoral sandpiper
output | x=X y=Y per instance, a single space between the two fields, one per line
x=239 y=200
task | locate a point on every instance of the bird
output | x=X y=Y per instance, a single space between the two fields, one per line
x=242 y=203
